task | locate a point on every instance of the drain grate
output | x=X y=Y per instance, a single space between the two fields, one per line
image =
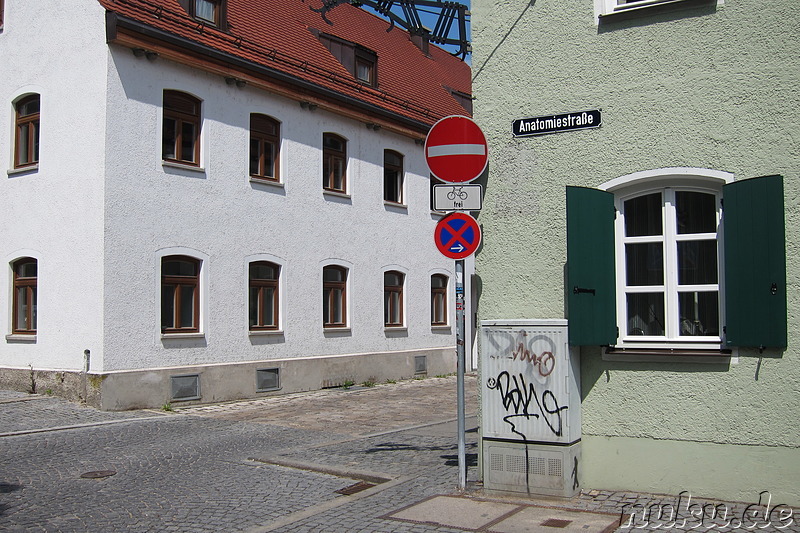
x=98 y=474
x=353 y=489
x=555 y=522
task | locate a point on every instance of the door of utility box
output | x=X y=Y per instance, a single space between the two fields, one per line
x=530 y=407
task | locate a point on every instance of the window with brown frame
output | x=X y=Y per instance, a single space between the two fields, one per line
x=393 y=298
x=264 y=147
x=392 y=177
x=210 y=12
x=365 y=61
x=334 y=297
x=24 y=301
x=334 y=163
x=26 y=147
x=263 y=309
x=180 y=294
x=438 y=300
x=180 y=140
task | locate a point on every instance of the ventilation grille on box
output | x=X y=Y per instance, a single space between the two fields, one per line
x=538 y=466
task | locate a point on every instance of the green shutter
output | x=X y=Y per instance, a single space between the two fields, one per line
x=755 y=263
x=591 y=298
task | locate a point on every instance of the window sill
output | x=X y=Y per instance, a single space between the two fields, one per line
x=183 y=166
x=169 y=336
x=666 y=355
x=266 y=181
x=23 y=170
x=395 y=205
x=265 y=332
x=337 y=194
x=441 y=327
x=21 y=338
x=343 y=329
x=391 y=329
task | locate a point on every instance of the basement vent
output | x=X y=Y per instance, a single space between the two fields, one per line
x=420 y=364
x=268 y=379
x=185 y=387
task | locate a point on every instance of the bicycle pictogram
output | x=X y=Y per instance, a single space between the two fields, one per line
x=457 y=191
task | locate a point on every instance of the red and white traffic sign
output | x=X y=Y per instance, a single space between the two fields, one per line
x=457 y=235
x=456 y=150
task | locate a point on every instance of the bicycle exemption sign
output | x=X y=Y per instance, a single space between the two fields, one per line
x=457 y=197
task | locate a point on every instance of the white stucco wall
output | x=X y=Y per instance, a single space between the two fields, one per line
x=54 y=212
x=227 y=220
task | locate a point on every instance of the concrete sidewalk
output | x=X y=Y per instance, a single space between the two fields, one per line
x=371 y=459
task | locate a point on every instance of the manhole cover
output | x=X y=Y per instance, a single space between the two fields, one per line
x=358 y=487
x=98 y=474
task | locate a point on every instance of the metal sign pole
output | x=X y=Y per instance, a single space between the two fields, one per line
x=462 y=462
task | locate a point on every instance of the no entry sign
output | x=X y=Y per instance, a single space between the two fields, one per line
x=456 y=150
x=457 y=235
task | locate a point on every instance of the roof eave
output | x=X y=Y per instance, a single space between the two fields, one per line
x=132 y=33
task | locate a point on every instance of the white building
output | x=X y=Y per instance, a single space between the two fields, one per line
x=211 y=200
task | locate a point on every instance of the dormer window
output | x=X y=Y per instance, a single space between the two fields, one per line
x=359 y=61
x=210 y=12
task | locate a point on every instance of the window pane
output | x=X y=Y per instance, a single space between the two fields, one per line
x=338 y=174
x=338 y=311
x=187 y=306
x=167 y=306
x=437 y=311
x=269 y=159
x=187 y=142
x=33 y=295
x=332 y=142
x=22 y=309
x=646 y=314
x=269 y=307
x=204 y=9
x=392 y=279
x=253 y=307
x=35 y=141
x=699 y=313
x=23 y=146
x=177 y=267
x=364 y=71
x=27 y=269
x=644 y=264
x=697 y=262
x=391 y=190
x=255 y=157
x=332 y=274
x=643 y=215
x=696 y=212
x=169 y=138
x=30 y=106
x=263 y=271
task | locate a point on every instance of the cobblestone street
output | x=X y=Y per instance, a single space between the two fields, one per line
x=273 y=464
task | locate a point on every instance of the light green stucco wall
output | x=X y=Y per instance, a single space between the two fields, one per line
x=714 y=87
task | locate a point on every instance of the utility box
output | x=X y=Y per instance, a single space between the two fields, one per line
x=530 y=407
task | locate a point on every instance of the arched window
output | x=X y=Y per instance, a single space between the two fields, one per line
x=263 y=308
x=264 y=147
x=392 y=177
x=334 y=163
x=334 y=297
x=24 y=304
x=393 y=298
x=180 y=141
x=26 y=147
x=438 y=300
x=180 y=294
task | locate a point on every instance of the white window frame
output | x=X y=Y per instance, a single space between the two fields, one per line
x=667 y=182
x=610 y=7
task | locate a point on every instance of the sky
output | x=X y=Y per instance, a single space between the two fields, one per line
x=429 y=15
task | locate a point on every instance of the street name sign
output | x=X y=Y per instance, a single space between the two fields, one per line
x=456 y=150
x=457 y=235
x=454 y=197
x=526 y=127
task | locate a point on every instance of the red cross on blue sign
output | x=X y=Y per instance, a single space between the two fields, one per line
x=457 y=235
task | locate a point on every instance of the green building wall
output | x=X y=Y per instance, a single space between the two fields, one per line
x=712 y=86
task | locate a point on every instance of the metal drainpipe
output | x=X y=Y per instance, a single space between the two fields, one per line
x=86 y=359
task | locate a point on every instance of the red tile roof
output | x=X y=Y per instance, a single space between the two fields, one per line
x=276 y=35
